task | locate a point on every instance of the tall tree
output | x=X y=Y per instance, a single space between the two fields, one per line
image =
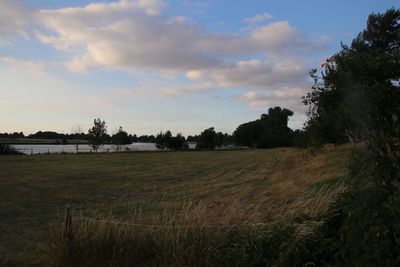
x=120 y=138
x=358 y=97
x=97 y=135
x=353 y=80
x=167 y=141
x=207 y=139
x=269 y=131
x=163 y=140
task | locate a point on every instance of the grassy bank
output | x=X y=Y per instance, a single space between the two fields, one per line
x=248 y=186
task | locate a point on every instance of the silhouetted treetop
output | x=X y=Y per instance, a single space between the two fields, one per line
x=269 y=131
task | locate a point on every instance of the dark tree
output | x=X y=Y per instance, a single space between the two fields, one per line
x=163 y=140
x=249 y=134
x=133 y=138
x=269 y=131
x=300 y=139
x=146 y=139
x=47 y=135
x=97 y=135
x=276 y=133
x=178 y=142
x=14 y=135
x=219 y=139
x=358 y=98
x=207 y=139
x=120 y=138
x=167 y=141
x=340 y=98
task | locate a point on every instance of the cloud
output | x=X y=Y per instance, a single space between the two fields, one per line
x=14 y=20
x=258 y=18
x=137 y=35
x=164 y=88
x=194 y=7
x=285 y=97
x=278 y=37
x=27 y=65
x=125 y=34
x=254 y=74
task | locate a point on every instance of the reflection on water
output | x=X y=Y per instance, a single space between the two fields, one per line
x=41 y=149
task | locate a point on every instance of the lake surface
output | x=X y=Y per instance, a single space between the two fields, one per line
x=41 y=149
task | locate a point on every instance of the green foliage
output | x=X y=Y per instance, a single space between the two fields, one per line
x=357 y=82
x=371 y=230
x=97 y=135
x=269 y=131
x=358 y=98
x=328 y=121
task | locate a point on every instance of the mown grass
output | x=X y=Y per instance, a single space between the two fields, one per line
x=246 y=186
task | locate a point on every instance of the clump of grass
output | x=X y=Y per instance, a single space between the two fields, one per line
x=189 y=236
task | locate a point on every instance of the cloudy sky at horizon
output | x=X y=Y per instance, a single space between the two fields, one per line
x=154 y=65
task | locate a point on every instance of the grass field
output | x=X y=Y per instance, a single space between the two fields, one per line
x=264 y=185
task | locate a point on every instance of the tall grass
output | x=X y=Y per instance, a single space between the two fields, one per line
x=278 y=186
x=193 y=235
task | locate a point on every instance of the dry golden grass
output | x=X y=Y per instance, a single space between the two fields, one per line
x=247 y=186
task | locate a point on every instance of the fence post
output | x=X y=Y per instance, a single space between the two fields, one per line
x=68 y=222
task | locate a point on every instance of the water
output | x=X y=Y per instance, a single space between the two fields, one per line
x=41 y=149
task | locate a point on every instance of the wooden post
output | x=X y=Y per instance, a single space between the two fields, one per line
x=68 y=222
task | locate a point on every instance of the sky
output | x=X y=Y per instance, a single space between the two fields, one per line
x=154 y=65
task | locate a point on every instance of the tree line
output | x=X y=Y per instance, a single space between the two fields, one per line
x=51 y=135
x=270 y=131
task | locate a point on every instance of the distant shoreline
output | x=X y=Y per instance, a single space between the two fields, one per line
x=27 y=141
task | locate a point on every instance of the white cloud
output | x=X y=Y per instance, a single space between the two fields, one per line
x=33 y=67
x=280 y=37
x=14 y=19
x=284 y=96
x=254 y=74
x=258 y=18
x=138 y=35
x=163 y=88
